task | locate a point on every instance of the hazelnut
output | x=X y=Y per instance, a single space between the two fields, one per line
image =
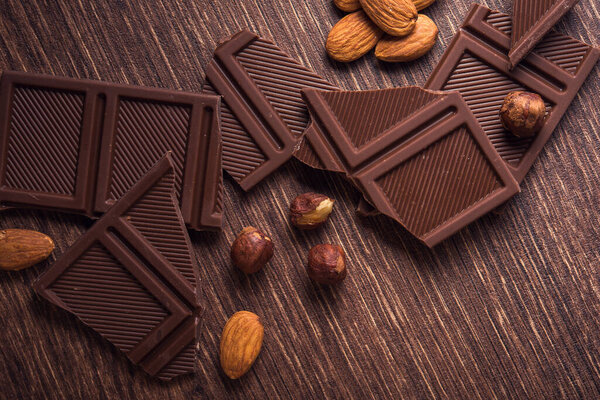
x=326 y=264
x=251 y=250
x=310 y=210
x=523 y=113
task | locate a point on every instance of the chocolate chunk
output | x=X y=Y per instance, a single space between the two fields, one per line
x=476 y=64
x=132 y=277
x=531 y=21
x=263 y=115
x=78 y=145
x=418 y=156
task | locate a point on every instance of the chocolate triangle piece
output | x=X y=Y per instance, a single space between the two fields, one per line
x=132 y=277
x=531 y=21
x=263 y=115
x=419 y=156
x=476 y=64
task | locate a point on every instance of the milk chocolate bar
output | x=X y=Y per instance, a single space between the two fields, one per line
x=531 y=21
x=263 y=115
x=418 y=156
x=78 y=145
x=132 y=277
x=476 y=64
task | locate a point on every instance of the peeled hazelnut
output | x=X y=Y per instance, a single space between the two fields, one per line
x=326 y=264
x=310 y=210
x=523 y=113
x=251 y=250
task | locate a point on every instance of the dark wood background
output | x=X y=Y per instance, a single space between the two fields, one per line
x=507 y=308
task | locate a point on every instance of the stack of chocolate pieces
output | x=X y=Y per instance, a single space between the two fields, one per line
x=433 y=159
x=435 y=168
x=147 y=162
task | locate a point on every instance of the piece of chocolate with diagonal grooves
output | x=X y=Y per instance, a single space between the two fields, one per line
x=263 y=115
x=531 y=21
x=137 y=291
x=419 y=156
x=476 y=65
x=77 y=145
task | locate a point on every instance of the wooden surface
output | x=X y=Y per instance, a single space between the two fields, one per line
x=508 y=308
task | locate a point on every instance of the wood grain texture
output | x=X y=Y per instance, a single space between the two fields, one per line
x=508 y=308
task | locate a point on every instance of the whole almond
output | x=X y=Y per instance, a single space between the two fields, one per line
x=352 y=37
x=394 y=17
x=241 y=342
x=347 y=5
x=422 y=4
x=411 y=47
x=21 y=248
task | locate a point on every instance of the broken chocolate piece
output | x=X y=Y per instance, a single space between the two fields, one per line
x=132 y=277
x=418 y=156
x=77 y=145
x=263 y=115
x=531 y=21
x=476 y=64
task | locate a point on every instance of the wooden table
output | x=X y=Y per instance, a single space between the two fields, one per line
x=507 y=308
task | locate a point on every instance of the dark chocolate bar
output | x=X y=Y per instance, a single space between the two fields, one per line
x=476 y=64
x=531 y=21
x=132 y=277
x=262 y=115
x=78 y=145
x=418 y=156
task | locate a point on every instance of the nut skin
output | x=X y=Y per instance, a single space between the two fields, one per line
x=352 y=37
x=21 y=248
x=523 y=113
x=394 y=17
x=241 y=342
x=347 y=5
x=310 y=210
x=410 y=47
x=251 y=250
x=326 y=264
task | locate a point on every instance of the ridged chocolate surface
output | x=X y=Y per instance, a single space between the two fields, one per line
x=140 y=141
x=77 y=145
x=131 y=277
x=44 y=162
x=476 y=65
x=263 y=115
x=419 y=156
x=532 y=19
x=564 y=51
x=439 y=182
x=381 y=110
x=241 y=154
x=485 y=99
x=103 y=294
x=363 y=116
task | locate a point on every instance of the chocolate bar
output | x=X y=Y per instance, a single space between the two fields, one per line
x=262 y=115
x=531 y=21
x=78 y=145
x=476 y=64
x=418 y=156
x=132 y=277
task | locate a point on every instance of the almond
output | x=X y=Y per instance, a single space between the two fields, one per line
x=21 y=248
x=411 y=47
x=422 y=4
x=394 y=17
x=347 y=5
x=241 y=342
x=352 y=37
